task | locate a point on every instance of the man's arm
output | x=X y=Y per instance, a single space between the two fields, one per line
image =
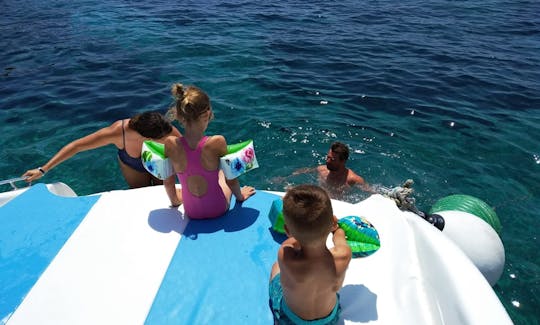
x=304 y=170
x=354 y=179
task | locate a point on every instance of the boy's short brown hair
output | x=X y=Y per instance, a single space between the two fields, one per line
x=308 y=213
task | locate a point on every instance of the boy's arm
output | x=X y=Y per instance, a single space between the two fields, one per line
x=341 y=249
x=342 y=255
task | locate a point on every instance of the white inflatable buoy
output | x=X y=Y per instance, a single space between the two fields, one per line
x=478 y=240
x=474 y=227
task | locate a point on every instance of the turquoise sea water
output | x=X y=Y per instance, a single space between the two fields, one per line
x=446 y=93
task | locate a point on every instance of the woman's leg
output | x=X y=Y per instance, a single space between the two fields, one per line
x=135 y=179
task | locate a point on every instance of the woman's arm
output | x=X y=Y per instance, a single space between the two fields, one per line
x=95 y=140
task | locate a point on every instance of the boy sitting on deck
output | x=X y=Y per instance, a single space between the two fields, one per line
x=307 y=275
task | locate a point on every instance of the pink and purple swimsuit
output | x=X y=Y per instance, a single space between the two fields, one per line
x=212 y=204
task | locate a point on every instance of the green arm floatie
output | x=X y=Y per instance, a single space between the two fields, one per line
x=240 y=159
x=154 y=159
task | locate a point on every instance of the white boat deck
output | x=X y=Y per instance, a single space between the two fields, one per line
x=133 y=260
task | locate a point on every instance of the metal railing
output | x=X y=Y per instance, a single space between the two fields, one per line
x=12 y=182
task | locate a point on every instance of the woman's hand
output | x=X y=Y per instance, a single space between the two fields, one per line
x=32 y=175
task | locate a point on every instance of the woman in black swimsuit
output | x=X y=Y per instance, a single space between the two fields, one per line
x=127 y=135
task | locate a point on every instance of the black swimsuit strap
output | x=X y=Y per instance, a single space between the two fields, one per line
x=123 y=135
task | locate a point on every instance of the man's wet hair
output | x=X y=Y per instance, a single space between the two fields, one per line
x=341 y=149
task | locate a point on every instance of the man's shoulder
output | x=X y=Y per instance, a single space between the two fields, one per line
x=353 y=177
x=322 y=169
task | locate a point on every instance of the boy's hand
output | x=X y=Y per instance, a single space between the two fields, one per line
x=339 y=237
x=335 y=225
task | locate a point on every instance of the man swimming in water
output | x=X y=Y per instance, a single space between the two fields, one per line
x=334 y=176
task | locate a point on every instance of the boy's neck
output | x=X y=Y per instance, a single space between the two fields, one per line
x=314 y=248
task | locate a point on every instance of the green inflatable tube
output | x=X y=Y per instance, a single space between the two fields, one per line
x=362 y=237
x=469 y=204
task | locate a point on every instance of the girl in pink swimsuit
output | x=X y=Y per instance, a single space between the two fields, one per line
x=195 y=158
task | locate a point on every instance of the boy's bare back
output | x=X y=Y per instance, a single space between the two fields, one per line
x=310 y=273
x=311 y=276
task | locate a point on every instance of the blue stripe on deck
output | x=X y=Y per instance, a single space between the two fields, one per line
x=219 y=273
x=33 y=228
